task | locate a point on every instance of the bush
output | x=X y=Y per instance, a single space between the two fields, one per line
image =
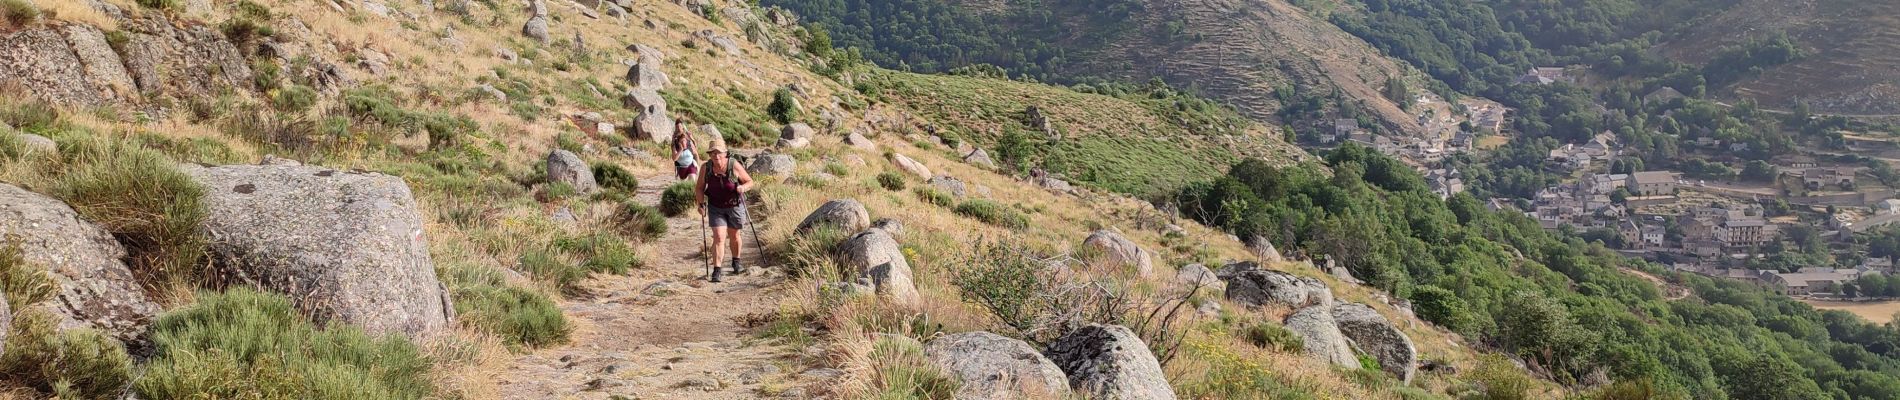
x=837 y=169
x=1037 y=304
x=521 y=317
x=677 y=199
x=161 y=4
x=1270 y=336
x=636 y=220
x=613 y=177
x=143 y=200
x=545 y=267
x=293 y=98
x=994 y=214
x=784 y=107
x=900 y=371
x=890 y=181
x=934 y=196
x=446 y=130
x=248 y=344
x=810 y=254
x=1497 y=379
x=603 y=252
x=19 y=12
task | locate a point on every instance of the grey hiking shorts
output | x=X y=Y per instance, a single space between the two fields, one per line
x=726 y=217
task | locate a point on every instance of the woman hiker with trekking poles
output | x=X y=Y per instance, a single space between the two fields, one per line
x=720 y=193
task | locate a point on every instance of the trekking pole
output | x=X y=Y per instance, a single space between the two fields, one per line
x=705 y=250
x=755 y=230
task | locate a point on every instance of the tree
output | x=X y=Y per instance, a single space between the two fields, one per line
x=1770 y=378
x=1758 y=171
x=1398 y=92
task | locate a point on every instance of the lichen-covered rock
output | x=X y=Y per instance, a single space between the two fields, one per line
x=537 y=28
x=347 y=247
x=797 y=130
x=1263 y=248
x=1372 y=334
x=891 y=226
x=845 y=214
x=1199 y=275
x=911 y=166
x=40 y=61
x=96 y=289
x=645 y=100
x=772 y=164
x=653 y=125
x=1251 y=285
x=184 y=59
x=646 y=75
x=979 y=158
x=566 y=167
x=995 y=367
x=717 y=40
x=857 y=140
x=1109 y=362
x=875 y=254
x=103 y=66
x=1315 y=325
x=1118 y=251
x=647 y=54
x=950 y=185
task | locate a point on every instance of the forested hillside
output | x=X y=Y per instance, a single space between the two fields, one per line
x=1559 y=303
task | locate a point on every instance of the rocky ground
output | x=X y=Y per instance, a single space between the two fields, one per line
x=667 y=333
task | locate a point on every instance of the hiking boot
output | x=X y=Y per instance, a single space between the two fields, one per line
x=736 y=268
x=715 y=275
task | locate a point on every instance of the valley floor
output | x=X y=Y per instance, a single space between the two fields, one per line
x=665 y=332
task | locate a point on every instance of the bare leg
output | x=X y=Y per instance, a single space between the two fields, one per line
x=716 y=237
x=732 y=241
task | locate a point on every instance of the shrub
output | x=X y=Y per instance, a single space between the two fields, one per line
x=161 y=4
x=1497 y=379
x=603 y=252
x=810 y=254
x=1033 y=301
x=837 y=169
x=19 y=12
x=446 y=130
x=248 y=344
x=890 y=181
x=613 y=177
x=934 y=196
x=1270 y=336
x=33 y=116
x=293 y=98
x=521 y=317
x=993 y=214
x=784 y=107
x=677 y=199
x=636 y=220
x=144 y=201
x=545 y=267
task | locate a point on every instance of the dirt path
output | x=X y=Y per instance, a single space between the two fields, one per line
x=665 y=332
x=1670 y=291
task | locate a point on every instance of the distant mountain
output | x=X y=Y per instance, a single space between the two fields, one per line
x=1852 y=52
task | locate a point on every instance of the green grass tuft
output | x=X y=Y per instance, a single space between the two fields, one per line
x=890 y=181
x=604 y=253
x=615 y=178
x=143 y=200
x=1271 y=336
x=18 y=12
x=523 y=318
x=544 y=266
x=993 y=213
x=933 y=196
x=243 y=343
x=639 y=221
x=677 y=199
x=74 y=363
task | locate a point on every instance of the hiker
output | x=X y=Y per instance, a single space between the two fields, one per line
x=721 y=191
x=685 y=163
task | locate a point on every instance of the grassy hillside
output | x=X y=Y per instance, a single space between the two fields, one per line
x=1852 y=52
x=1137 y=140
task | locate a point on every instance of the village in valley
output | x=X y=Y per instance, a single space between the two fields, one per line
x=1725 y=228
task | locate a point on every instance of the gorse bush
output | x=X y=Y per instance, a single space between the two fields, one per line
x=615 y=178
x=994 y=214
x=144 y=201
x=639 y=221
x=677 y=199
x=243 y=343
x=522 y=318
x=784 y=107
x=18 y=12
x=890 y=181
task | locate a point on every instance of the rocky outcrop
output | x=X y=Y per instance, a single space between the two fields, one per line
x=653 y=125
x=875 y=254
x=1109 y=362
x=772 y=164
x=646 y=75
x=1250 y=285
x=1315 y=325
x=979 y=158
x=845 y=214
x=96 y=290
x=950 y=185
x=1198 y=275
x=719 y=41
x=795 y=135
x=911 y=166
x=537 y=26
x=891 y=226
x=182 y=59
x=858 y=141
x=1261 y=247
x=346 y=246
x=1119 y=252
x=1053 y=184
x=645 y=100
x=567 y=168
x=77 y=65
x=1372 y=334
x=647 y=54
x=995 y=367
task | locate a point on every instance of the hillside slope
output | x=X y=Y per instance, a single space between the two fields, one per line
x=1852 y=63
x=1258 y=56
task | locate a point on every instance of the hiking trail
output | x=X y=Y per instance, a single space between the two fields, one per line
x=664 y=332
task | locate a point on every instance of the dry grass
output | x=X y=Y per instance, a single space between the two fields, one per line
x=1879 y=312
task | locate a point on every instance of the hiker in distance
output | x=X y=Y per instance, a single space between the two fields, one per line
x=720 y=192
x=685 y=162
